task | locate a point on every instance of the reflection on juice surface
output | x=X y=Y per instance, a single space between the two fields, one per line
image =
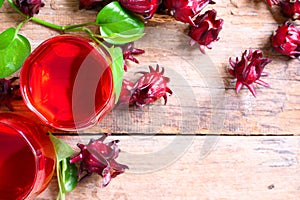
x=67 y=82
x=27 y=158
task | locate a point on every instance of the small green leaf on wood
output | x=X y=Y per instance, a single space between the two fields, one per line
x=69 y=176
x=62 y=149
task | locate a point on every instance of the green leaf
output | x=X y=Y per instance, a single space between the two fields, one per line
x=117 y=25
x=117 y=69
x=1 y=3
x=69 y=175
x=6 y=38
x=117 y=38
x=62 y=149
x=14 y=49
x=66 y=172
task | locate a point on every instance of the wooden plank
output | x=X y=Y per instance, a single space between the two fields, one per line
x=236 y=168
x=197 y=100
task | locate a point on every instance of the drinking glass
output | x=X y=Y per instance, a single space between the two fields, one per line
x=67 y=82
x=27 y=158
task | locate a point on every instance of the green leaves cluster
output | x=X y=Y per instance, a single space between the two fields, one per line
x=66 y=172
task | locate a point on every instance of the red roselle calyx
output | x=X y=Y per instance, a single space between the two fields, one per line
x=8 y=92
x=126 y=92
x=29 y=7
x=185 y=10
x=206 y=30
x=286 y=40
x=144 y=7
x=291 y=8
x=99 y=157
x=129 y=51
x=150 y=87
x=249 y=69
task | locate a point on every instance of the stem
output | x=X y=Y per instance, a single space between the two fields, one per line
x=48 y=24
x=74 y=26
x=60 y=195
x=91 y=35
x=21 y=24
x=58 y=27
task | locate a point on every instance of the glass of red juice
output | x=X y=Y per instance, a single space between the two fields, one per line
x=67 y=82
x=27 y=158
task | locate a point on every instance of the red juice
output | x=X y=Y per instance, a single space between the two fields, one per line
x=67 y=82
x=27 y=158
x=16 y=179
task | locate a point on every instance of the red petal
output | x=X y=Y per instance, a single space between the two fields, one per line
x=252 y=89
x=260 y=82
x=238 y=86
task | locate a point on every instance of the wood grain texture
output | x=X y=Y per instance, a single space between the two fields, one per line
x=237 y=168
x=257 y=156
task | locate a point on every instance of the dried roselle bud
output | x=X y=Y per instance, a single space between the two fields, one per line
x=249 y=69
x=185 y=10
x=150 y=87
x=99 y=157
x=286 y=40
x=206 y=30
x=129 y=51
x=29 y=7
x=291 y=8
x=8 y=92
x=144 y=7
x=126 y=92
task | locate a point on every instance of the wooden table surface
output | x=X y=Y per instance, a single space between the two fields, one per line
x=208 y=142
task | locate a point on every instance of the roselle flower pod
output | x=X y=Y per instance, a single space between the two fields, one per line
x=206 y=30
x=286 y=40
x=150 y=87
x=249 y=69
x=29 y=7
x=8 y=92
x=126 y=92
x=99 y=157
x=291 y=8
x=129 y=51
x=185 y=10
x=144 y=7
